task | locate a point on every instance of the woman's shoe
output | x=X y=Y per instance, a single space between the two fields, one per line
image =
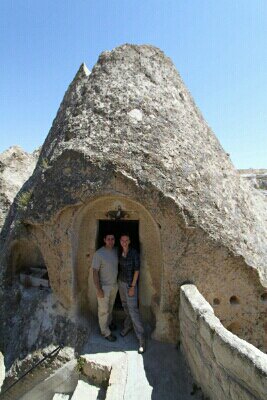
x=142 y=346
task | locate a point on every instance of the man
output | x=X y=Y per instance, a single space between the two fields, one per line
x=105 y=272
x=129 y=267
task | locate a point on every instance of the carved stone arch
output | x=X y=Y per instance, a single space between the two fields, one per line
x=84 y=245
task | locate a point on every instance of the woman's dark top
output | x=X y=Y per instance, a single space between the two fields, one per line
x=128 y=265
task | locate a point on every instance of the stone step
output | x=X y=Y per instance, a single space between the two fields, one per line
x=85 y=391
x=63 y=380
x=61 y=396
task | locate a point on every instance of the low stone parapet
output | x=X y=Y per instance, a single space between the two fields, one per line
x=2 y=370
x=222 y=364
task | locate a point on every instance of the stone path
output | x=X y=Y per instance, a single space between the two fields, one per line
x=159 y=374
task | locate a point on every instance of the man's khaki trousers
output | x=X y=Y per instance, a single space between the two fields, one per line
x=105 y=307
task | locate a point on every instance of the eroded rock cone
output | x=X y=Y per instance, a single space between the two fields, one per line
x=129 y=134
x=134 y=115
x=16 y=166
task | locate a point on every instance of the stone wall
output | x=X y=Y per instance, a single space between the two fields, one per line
x=2 y=370
x=223 y=365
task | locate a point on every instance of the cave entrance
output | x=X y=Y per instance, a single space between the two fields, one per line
x=28 y=265
x=118 y=227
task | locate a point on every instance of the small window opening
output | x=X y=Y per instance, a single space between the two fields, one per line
x=234 y=300
x=28 y=265
x=216 y=301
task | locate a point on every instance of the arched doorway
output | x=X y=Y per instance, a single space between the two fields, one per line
x=89 y=223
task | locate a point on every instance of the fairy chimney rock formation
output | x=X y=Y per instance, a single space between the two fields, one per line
x=130 y=134
x=133 y=115
x=16 y=166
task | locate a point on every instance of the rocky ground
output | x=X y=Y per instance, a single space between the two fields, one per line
x=143 y=376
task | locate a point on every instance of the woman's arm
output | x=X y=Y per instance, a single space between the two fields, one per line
x=133 y=284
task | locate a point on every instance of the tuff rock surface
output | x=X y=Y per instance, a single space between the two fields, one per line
x=40 y=321
x=16 y=166
x=133 y=115
x=257 y=178
x=130 y=133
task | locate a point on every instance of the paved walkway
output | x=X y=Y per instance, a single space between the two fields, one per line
x=159 y=374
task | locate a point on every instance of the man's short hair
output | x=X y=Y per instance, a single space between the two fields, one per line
x=108 y=233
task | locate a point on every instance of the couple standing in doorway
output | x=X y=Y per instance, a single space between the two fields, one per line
x=113 y=270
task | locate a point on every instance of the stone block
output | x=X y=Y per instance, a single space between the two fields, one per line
x=98 y=367
x=187 y=312
x=207 y=326
x=222 y=364
x=245 y=363
x=216 y=389
x=2 y=370
x=193 y=303
x=238 y=392
x=63 y=380
x=84 y=391
x=207 y=353
x=61 y=396
x=110 y=369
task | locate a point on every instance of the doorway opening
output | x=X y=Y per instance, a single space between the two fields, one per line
x=118 y=227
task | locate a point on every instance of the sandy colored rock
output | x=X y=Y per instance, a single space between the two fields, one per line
x=223 y=365
x=128 y=136
x=257 y=178
x=16 y=166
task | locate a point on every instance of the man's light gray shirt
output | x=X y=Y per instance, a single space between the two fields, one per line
x=106 y=262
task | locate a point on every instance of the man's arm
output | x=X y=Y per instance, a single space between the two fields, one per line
x=99 y=290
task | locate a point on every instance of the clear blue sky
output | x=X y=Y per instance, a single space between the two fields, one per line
x=218 y=46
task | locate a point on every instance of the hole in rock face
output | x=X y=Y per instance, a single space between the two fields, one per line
x=264 y=297
x=216 y=301
x=235 y=328
x=234 y=300
x=181 y=96
x=27 y=263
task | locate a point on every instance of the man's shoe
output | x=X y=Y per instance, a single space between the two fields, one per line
x=111 y=338
x=125 y=331
x=142 y=346
x=112 y=326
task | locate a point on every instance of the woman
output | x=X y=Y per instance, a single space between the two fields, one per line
x=129 y=267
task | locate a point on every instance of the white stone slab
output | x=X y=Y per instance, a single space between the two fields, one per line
x=84 y=391
x=33 y=280
x=2 y=370
x=61 y=396
x=62 y=380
